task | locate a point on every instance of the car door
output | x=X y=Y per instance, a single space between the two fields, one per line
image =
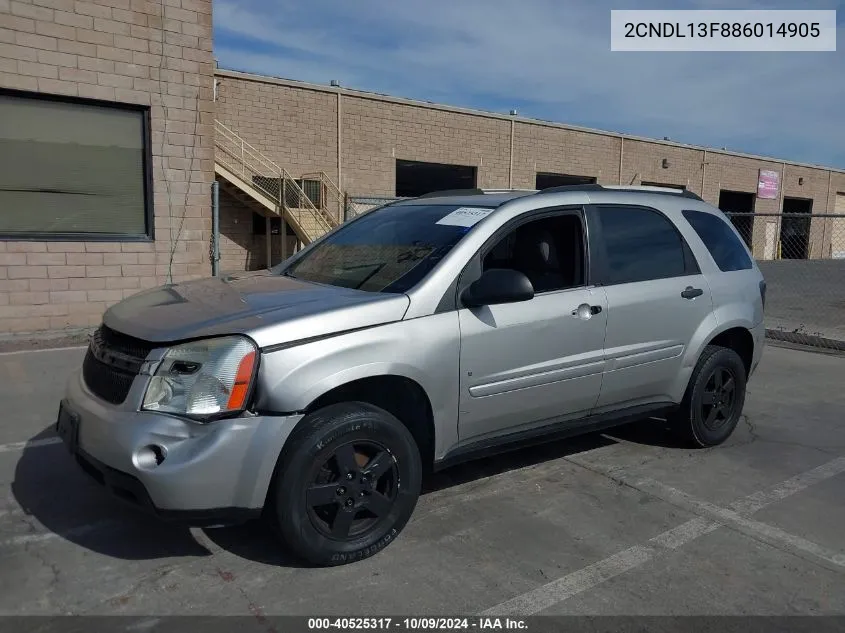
x=534 y=362
x=657 y=299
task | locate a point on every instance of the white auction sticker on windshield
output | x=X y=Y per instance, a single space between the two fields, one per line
x=465 y=216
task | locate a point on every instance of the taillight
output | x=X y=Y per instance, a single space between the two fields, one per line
x=763 y=293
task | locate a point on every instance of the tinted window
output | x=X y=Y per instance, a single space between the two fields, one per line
x=68 y=168
x=720 y=240
x=387 y=250
x=641 y=244
x=549 y=251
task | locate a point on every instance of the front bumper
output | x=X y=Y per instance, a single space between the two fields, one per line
x=211 y=473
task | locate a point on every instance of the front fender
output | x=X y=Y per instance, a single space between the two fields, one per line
x=425 y=350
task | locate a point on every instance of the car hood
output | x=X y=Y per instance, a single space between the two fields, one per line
x=253 y=304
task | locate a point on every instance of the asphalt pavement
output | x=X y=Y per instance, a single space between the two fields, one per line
x=625 y=523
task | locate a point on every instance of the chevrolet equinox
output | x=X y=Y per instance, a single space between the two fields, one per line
x=428 y=331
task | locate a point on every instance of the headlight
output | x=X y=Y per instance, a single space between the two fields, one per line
x=204 y=379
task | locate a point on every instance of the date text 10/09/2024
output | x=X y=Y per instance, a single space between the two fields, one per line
x=418 y=624
x=722 y=29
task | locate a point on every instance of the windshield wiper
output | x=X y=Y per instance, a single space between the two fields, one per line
x=368 y=277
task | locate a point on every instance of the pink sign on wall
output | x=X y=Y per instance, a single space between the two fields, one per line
x=767 y=184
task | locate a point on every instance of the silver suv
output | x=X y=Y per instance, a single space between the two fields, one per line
x=423 y=333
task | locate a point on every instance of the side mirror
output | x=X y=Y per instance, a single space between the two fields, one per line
x=498 y=285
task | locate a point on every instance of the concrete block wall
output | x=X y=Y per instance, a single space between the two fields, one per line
x=296 y=124
x=240 y=249
x=561 y=151
x=296 y=129
x=155 y=54
x=376 y=133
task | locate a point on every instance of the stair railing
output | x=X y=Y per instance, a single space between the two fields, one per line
x=268 y=179
x=331 y=198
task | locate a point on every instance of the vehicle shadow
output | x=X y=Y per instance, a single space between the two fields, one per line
x=55 y=493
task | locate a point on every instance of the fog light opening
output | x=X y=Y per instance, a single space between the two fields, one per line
x=150 y=456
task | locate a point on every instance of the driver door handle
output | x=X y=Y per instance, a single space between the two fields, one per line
x=585 y=311
x=691 y=293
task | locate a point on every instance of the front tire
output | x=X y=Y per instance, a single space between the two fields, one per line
x=714 y=398
x=347 y=483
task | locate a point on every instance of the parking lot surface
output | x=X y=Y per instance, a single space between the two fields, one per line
x=624 y=523
x=806 y=297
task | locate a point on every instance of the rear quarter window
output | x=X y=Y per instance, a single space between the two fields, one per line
x=725 y=247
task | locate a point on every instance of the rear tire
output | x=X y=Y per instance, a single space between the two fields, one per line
x=714 y=399
x=347 y=483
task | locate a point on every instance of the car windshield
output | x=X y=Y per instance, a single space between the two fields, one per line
x=388 y=250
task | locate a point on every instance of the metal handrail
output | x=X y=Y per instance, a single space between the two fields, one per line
x=246 y=159
x=332 y=192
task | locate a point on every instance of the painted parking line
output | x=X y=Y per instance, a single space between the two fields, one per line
x=579 y=581
x=20 y=446
x=755 y=529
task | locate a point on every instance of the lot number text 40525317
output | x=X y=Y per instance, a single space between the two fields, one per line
x=418 y=624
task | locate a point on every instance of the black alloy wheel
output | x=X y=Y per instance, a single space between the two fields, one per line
x=354 y=489
x=346 y=483
x=715 y=396
x=718 y=398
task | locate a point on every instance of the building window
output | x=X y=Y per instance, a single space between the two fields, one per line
x=665 y=185
x=416 y=178
x=73 y=170
x=545 y=180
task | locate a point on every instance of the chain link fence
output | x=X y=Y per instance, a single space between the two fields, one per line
x=357 y=205
x=802 y=257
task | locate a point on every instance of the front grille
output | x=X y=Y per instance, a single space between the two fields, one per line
x=105 y=381
x=122 y=343
x=112 y=362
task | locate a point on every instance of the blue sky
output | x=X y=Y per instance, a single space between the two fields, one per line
x=551 y=59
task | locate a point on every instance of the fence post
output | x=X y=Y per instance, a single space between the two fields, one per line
x=243 y=161
x=284 y=230
x=215 y=227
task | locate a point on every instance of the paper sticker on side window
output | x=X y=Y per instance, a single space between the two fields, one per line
x=465 y=216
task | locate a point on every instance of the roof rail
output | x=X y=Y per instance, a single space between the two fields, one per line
x=472 y=192
x=684 y=193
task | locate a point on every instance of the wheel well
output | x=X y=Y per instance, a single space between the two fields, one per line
x=401 y=397
x=739 y=340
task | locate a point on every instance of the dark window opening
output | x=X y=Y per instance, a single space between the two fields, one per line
x=723 y=244
x=415 y=178
x=549 y=251
x=795 y=229
x=739 y=206
x=73 y=169
x=640 y=244
x=259 y=225
x=664 y=185
x=546 y=180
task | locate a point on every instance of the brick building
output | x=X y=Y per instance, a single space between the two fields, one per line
x=361 y=139
x=106 y=151
x=114 y=124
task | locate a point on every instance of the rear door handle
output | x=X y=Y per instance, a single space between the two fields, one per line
x=691 y=293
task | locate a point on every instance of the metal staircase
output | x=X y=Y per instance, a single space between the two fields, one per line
x=262 y=185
